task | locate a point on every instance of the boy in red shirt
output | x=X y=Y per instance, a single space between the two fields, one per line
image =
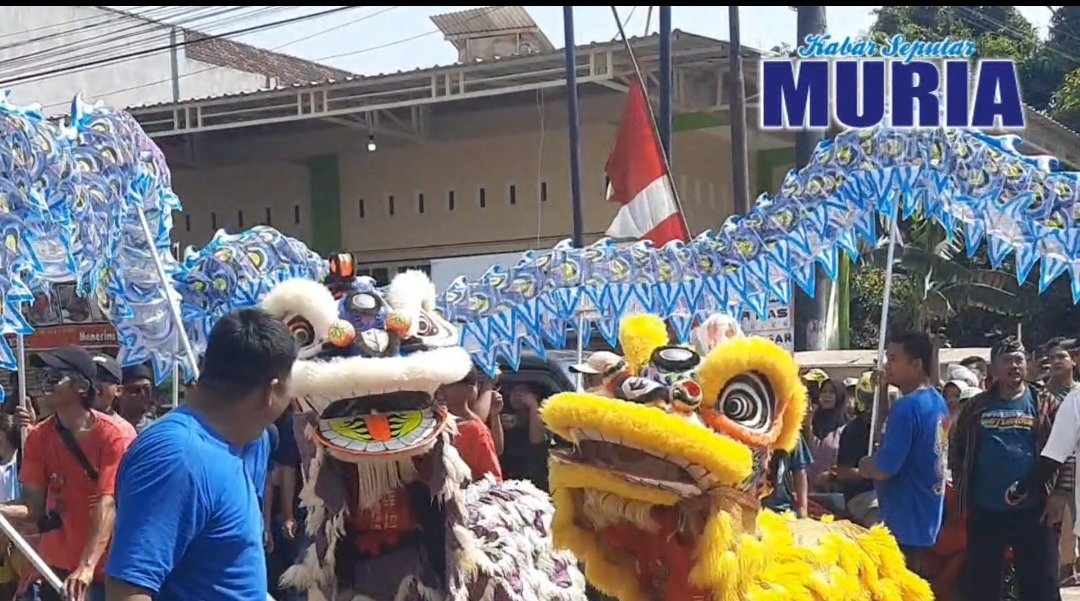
x=68 y=474
x=473 y=441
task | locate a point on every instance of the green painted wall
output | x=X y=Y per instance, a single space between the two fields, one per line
x=767 y=162
x=324 y=190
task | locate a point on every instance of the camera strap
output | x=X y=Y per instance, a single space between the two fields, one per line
x=73 y=445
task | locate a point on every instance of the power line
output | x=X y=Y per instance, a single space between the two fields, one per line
x=107 y=17
x=403 y=40
x=275 y=48
x=130 y=35
x=136 y=36
x=130 y=55
x=324 y=58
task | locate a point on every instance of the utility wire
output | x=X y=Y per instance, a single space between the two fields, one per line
x=106 y=17
x=975 y=17
x=275 y=49
x=148 y=51
x=134 y=36
x=403 y=40
x=436 y=31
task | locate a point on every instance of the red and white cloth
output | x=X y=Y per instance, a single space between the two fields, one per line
x=638 y=179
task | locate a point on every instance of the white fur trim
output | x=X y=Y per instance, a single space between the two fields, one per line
x=411 y=290
x=323 y=382
x=306 y=298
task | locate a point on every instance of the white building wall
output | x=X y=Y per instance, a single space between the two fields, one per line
x=59 y=37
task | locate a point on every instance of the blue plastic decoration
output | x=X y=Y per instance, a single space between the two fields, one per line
x=966 y=180
x=234 y=271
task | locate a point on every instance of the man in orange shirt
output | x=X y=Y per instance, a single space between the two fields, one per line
x=473 y=441
x=68 y=474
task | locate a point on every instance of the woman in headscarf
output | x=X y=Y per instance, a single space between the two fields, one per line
x=826 y=424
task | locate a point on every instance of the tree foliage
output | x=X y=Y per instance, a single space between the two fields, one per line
x=935 y=283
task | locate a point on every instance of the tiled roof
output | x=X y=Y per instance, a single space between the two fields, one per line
x=289 y=70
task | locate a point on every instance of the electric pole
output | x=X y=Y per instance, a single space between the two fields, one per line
x=665 y=121
x=810 y=313
x=576 y=211
x=740 y=161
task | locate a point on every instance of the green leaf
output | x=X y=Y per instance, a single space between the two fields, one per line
x=987 y=298
x=918 y=263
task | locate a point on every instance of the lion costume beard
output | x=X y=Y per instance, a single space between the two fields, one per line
x=369 y=434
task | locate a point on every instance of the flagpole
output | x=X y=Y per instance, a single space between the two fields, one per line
x=652 y=118
x=575 y=128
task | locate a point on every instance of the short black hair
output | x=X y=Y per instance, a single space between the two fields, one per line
x=245 y=351
x=916 y=345
x=974 y=361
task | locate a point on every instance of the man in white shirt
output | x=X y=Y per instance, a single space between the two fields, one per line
x=1063 y=442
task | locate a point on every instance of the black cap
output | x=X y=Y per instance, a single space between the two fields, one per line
x=138 y=371
x=108 y=369
x=72 y=358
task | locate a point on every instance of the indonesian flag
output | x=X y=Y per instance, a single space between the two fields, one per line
x=638 y=180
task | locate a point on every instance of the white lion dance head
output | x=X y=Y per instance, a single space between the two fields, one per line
x=391 y=513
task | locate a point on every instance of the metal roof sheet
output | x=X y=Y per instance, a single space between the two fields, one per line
x=679 y=37
x=483 y=20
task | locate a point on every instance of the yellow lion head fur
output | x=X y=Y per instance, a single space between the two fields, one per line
x=635 y=461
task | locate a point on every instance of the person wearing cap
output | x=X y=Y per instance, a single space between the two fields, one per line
x=189 y=525
x=136 y=403
x=996 y=443
x=813 y=379
x=597 y=370
x=860 y=500
x=849 y=393
x=109 y=382
x=68 y=473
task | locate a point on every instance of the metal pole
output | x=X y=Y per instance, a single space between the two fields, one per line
x=740 y=153
x=31 y=555
x=575 y=127
x=810 y=312
x=174 y=307
x=883 y=326
x=652 y=116
x=665 y=124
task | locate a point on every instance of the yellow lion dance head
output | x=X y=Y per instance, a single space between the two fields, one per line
x=657 y=492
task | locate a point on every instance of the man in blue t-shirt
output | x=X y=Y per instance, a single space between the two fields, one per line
x=995 y=445
x=908 y=468
x=188 y=518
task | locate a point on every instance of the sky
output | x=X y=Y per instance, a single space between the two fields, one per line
x=383 y=39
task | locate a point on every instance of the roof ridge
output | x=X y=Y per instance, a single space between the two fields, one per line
x=268 y=51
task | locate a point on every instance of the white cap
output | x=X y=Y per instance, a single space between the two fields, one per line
x=598 y=363
x=850 y=382
x=969 y=393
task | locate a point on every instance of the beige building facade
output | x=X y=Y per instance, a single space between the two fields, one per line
x=467 y=159
x=495 y=180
